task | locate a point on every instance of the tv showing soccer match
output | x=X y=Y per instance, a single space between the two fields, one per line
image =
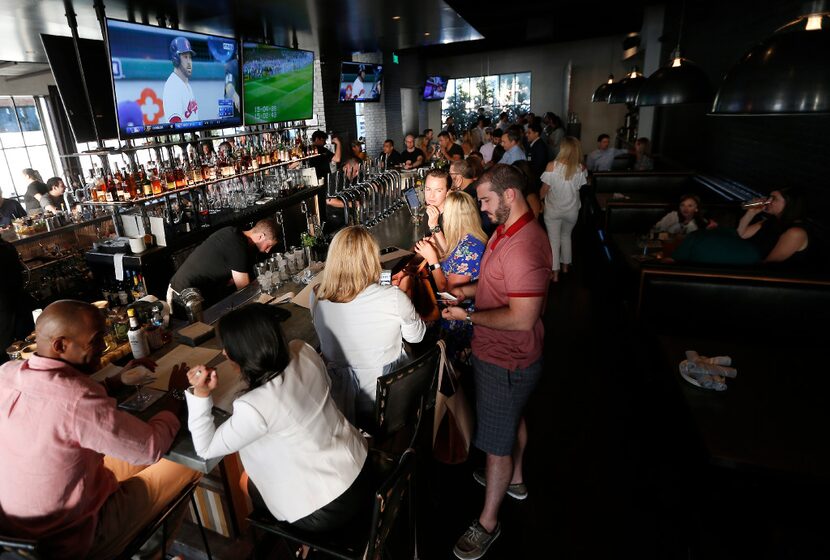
x=170 y=81
x=435 y=88
x=277 y=84
x=360 y=81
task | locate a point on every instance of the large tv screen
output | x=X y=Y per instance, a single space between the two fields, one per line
x=360 y=81
x=277 y=84
x=60 y=51
x=435 y=88
x=169 y=81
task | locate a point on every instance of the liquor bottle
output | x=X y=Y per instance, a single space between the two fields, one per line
x=195 y=171
x=155 y=180
x=146 y=184
x=130 y=185
x=111 y=194
x=137 y=337
x=181 y=179
x=170 y=177
x=120 y=193
x=122 y=293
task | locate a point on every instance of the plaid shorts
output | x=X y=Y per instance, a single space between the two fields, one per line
x=501 y=395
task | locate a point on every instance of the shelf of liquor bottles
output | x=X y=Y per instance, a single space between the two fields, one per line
x=108 y=193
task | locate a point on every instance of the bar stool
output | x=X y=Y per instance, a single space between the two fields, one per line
x=403 y=397
x=160 y=522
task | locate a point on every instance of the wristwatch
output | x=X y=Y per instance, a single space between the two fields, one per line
x=435 y=266
x=435 y=229
x=468 y=319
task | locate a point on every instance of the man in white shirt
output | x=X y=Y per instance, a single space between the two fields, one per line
x=602 y=158
x=358 y=87
x=488 y=147
x=503 y=123
x=179 y=103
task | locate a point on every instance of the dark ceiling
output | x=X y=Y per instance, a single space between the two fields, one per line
x=344 y=26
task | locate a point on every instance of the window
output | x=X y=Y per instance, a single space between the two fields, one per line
x=495 y=94
x=23 y=143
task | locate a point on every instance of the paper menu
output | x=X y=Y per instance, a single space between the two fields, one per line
x=179 y=354
x=303 y=299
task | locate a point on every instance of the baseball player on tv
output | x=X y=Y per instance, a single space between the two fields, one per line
x=178 y=99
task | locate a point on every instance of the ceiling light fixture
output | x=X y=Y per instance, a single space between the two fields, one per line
x=626 y=90
x=681 y=82
x=602 y=93
x=396 y=18
x=787 y=73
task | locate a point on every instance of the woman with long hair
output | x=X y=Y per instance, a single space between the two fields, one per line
x=561 y=182
x=459 y=261
x=303 y=459
x=777 y=229
x=361 y=324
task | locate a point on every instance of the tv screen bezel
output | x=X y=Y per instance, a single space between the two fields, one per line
x=112 y=117
x=340 y=81
x=124 y=137
x=242 y=79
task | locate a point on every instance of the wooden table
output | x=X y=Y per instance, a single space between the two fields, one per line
x=773 y=417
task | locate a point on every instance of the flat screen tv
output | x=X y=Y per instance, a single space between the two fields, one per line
x=170 y=81
x=360 y=81
x=435 y=88
x=60 y=51
x=277 y=84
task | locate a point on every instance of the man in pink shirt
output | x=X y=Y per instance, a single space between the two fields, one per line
x=73 y=473
x=508 y=338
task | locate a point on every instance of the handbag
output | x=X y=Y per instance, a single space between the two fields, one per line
x=416 y=282
x=452 y=430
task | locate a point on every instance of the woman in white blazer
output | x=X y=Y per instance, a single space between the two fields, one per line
x=303 y=458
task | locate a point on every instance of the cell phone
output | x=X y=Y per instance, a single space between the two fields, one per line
x=412 y=198
x=447 y=296
x=385 y=277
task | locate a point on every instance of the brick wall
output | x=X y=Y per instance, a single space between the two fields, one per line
x=319 y=107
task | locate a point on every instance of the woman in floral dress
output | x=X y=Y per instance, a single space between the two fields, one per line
x=457 y=263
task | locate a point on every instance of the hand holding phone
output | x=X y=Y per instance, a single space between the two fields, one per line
x=447 y=296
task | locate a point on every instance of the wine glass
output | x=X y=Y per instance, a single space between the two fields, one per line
x=139 y=377
x=642 y=243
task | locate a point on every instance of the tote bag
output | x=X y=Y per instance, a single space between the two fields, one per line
x=452 y=431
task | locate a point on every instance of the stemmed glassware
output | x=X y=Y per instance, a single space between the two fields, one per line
x=139 y=378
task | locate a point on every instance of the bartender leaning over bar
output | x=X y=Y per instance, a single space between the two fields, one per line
x=221 y=263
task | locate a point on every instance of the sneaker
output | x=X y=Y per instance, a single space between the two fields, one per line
x=517 y=491
x=475 y=541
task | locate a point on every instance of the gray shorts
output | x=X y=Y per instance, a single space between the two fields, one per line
x=501 y=395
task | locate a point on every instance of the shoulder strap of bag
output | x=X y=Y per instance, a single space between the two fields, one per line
x=445 y=364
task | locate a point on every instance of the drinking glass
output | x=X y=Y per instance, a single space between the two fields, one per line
x=642 y=243
x=139 y=378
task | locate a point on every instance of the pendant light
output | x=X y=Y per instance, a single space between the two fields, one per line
x=681 y=82
x=787 y=73
x=603 y=91
x=626 y=90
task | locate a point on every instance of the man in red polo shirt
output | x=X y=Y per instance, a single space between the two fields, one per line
x=507 y=344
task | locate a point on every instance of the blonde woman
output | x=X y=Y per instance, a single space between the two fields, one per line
x=560 y=191
x=361 y=324
x=458 y=260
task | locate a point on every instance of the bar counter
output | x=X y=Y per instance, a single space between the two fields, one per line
x=396 y=230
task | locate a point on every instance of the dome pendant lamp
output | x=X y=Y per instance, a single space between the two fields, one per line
x=626 y=90
x=786 y=74
x=603 y=91
x=681 y=82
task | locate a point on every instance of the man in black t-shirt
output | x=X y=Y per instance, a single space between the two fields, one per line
x=449 y=150
x=34 y=191
x=412 y=157
x=9 y=210
x=390 y=156
x=221 y=264
x=322 y=163
x=53 y=201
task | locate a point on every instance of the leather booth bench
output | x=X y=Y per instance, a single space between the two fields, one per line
x=761 y=303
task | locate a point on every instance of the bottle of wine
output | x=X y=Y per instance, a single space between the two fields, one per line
x=137 y=337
